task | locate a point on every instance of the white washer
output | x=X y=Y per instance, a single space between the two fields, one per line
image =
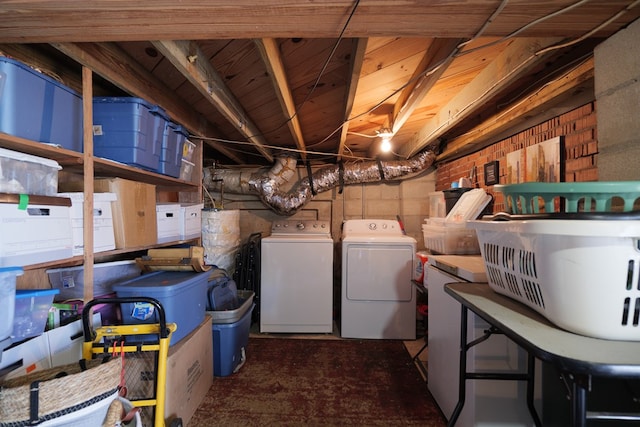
x=296 y=279
x=378 y=297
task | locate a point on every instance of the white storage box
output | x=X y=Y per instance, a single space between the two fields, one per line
x=70 y=281
x=191 y=220
x=103 y=232
x=451 y=238
x=33 y=233
x=582 y=275
x=22 y=173
x=168 y=217
x=26 y=357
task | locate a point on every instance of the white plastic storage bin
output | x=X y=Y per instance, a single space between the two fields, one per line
x=451 y=238
x=191 y=220
x=32 y=232
x=103 y=232
x=8 y=277
x=168 y=217
x=582 y=275
x=22 y=173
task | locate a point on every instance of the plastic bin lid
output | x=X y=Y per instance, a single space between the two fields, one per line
x=16 y=270
x=29 y=293
x=163 y=282
x=23 y=157
x=127 y=100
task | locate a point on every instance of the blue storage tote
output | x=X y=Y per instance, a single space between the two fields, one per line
x=183 y=296
x=171 y=153
x=229 y=343
x=36 y=107
x=31 y=311
x=128 y=130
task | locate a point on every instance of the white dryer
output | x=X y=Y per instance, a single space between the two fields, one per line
x=378 y=298
x=296 y=278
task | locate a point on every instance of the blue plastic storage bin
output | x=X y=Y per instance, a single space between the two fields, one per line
x=36 y=107
x=171 y=154
x=183 y=296
x=230 y=341
x=31 y=311
x=128 y=130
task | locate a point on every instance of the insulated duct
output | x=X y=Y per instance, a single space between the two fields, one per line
x=267 y=183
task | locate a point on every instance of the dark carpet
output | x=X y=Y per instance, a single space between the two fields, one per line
x=293 y=382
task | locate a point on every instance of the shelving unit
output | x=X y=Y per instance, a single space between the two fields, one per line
x=84 y=166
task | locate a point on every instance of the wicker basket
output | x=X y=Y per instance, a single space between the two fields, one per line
x=66 y=395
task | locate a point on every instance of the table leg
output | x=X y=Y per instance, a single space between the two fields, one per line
x=531 y=369
x=578 y=404
x=462 y=371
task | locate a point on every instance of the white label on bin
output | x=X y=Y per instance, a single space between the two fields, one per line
x=142 y=310
x=97 y=130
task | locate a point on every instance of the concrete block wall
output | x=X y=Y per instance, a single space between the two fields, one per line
x=579 y=128
x=617 y=90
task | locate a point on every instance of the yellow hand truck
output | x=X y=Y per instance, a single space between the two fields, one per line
x=143 y=349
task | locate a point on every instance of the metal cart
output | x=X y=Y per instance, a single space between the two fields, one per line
x=144 y=349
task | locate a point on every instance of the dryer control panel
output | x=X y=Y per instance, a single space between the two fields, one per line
x=372 y=227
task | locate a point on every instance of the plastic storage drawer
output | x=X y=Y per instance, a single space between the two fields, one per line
x=8 y=277
x=183 y=296
x=229 y=343
x=128 y=130
x=36 y=107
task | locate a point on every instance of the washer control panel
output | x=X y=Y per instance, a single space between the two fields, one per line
x=300 y=227
x=371 y=227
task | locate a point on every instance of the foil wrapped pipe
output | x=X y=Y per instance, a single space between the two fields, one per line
x=267 y=183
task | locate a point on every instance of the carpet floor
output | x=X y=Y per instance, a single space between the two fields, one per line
x=291 y=382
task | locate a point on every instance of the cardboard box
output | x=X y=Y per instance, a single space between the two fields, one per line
x=168 y=217
x=103 y=235
x=191 y=220
x=189 y=373
x=134 y=211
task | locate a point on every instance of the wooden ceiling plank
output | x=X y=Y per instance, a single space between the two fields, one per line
x=189 y=59
x=270 y=54
x=359 y=48
x=113 y=64
x=439 y=56
x=512 y=63
x=579 y=78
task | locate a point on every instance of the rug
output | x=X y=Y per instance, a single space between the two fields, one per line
x=291 y=382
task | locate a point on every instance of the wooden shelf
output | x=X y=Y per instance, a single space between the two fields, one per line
x=72 y=161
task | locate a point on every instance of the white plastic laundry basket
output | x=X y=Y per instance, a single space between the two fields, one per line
x=582 y=275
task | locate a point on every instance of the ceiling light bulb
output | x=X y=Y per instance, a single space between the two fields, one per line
x=385 y=146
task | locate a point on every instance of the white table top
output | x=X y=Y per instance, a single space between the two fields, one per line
x=570 y=352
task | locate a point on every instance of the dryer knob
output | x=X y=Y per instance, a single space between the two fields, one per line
x=300 y=226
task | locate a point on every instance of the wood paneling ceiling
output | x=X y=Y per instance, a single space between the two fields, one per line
x=320 y=79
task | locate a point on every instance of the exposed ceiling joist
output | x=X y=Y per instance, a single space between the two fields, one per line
x=359 y=48
x=579 y=79
x=510 y=65
x=434 y=63
x=109 y=61
x=189 y=59
x=270 y=54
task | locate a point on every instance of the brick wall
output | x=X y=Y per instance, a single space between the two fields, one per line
x=580 y=151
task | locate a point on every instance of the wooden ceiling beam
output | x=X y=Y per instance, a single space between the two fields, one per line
x=43 y=21
x=359 y=48
x=576 y=80
x=509 y=66
x=437 y=58
x=270 y=54
x=116 y=66
x=192 y=62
